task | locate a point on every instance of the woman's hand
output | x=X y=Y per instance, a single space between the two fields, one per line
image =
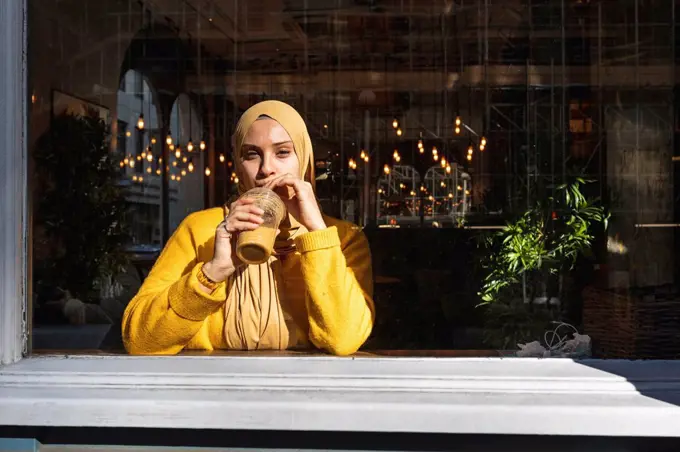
x=300 y=200
x=243 y=215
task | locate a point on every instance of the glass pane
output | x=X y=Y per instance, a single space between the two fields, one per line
x=511 y=164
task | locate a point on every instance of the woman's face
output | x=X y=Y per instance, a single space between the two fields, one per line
x=267 y=152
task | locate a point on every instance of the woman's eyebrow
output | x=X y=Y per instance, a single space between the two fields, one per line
x=283 y=142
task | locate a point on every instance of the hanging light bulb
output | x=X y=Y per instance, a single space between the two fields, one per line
x=431 y=198
x=448 y=169
x=236 y=180
x=179 y=178
x=362 y=156
x=178 y=153
x=207 y=171
x=352 y=164
x=395 y=154
x=422 y=150
x=140 y=122
x=395 y=123
x=458 y=121
x=459 y=188
x=174 y=163
x=140 y=179
x=450 y=195
x=191 y=166
x=201 y=145
x=158 y=171
x=148 y=170
x=386 y=169
x=173 y=177
x=435 y=157
x=143 y=154
x=366 y=159
x=134 y=178
x=184 y=172
x=413 y=193
x=482 y=144
x=139 y=158
x=222 y=158
x=132 y=163
x=399 y=132
x=469 y=157
x=457 y=130
x=467 y=192
x=153 y=140
x=171 y=147
x=149 y=157
x=190 y=146
x=420 y=144
x=184 y=159
x=122 y=164
x=483 y=141
x=434 y=150
x=168 y=139
x=128 y=134
x=470 y=150
x=443 y=162
x=160 y=159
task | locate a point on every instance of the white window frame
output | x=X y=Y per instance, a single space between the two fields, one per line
x=473 y=395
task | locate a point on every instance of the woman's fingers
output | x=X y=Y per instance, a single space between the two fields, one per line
x=240 y=226
x=245 y=216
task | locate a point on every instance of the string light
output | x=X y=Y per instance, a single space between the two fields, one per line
x=386 y=169
x=443 y=184
x=207 y=171
x=450 y=195
x=467 y=192
x=184 y=172
x=435 y=157
x=443 y=162
x=174 y=163
x=482 y=144
x=143 y=154
x=413 y=193
x=366 y=159
x=352 y=164
x=222 y=158
x=173 y=177
x=128 y=134
x=362 y=156
x=190 y=167
x=122 y=164
x=139 y=158
x=158 y=171
x=148 y=170
x=431 y=198
x=132 y=163
x=448 y=169
x=134 y=178
x=395 y=123
x=458 y=123
x=171 y=147
x=459 y=188
x=184 y=159
x=168 y=140
x=201 y=145
x=236 y=180
x=153 y=140
x=179 y=178
x=190 y=146
x=178 y=153
x=140 y=179
x=140 y=122
x=399 y=132
x=420 y=144
x=469 y=157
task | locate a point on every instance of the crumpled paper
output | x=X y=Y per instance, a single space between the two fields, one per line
x=578 y=347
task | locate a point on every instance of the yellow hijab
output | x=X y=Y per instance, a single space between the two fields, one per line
x=255 y=317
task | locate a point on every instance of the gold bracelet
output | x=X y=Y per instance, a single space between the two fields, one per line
x=205 y=279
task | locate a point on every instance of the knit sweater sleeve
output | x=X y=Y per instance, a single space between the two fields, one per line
x=170 y=307
x=339 y=282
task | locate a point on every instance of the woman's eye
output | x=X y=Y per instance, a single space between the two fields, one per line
x=283 y=152
x=251 y=155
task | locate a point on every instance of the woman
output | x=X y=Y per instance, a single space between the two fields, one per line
x=315 y=291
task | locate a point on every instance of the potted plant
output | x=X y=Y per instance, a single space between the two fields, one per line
x=525 y=263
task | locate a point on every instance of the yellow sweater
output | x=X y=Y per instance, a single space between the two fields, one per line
x=328 y=281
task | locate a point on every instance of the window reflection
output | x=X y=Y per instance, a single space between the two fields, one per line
x=434 y=124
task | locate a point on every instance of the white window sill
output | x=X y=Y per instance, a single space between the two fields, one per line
x=426 y=395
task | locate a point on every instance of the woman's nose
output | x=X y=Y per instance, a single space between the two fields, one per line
x=267 y=167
